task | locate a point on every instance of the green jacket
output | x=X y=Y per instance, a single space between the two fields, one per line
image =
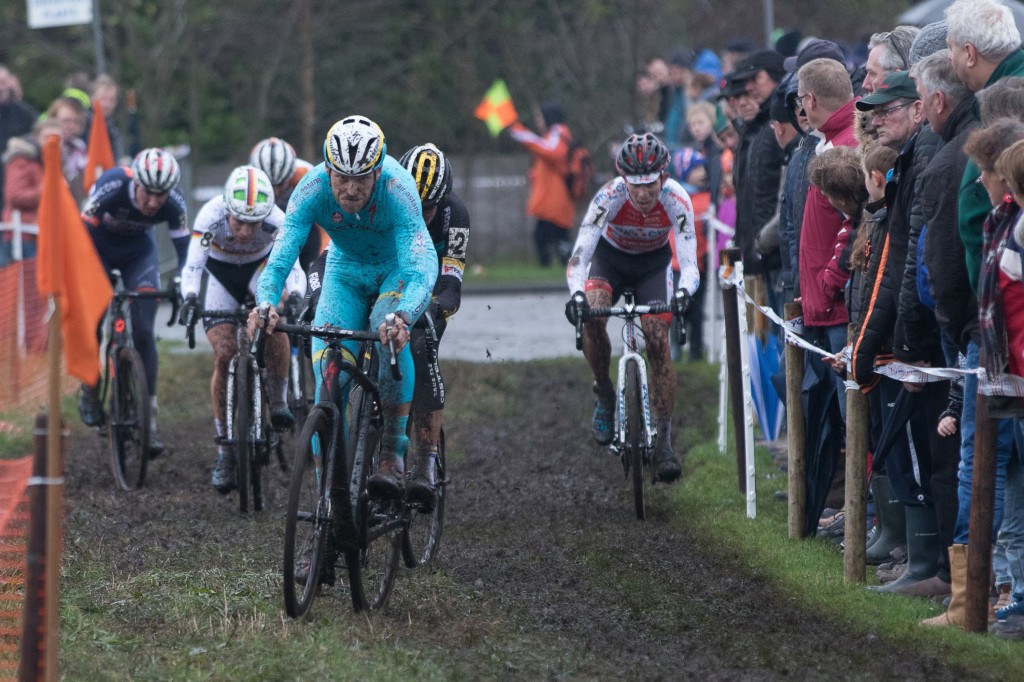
x=973 y=204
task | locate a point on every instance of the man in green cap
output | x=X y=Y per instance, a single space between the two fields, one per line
x=897 y=113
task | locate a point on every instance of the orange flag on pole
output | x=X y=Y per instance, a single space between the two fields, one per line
x=100 y=152
x=496 y=108
x=68 y=267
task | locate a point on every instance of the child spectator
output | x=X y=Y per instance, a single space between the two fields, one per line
x=689 y=167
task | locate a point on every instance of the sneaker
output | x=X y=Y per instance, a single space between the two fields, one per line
x=666 y=466
x=223 y=479
x=89 y=407
x=280 y=416
x=422 y=486
x=603 y=426
x=1013 y=609
x=388 y=481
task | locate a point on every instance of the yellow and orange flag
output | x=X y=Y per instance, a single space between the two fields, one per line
x=496 y=108
x=100 y=152
x=68 y=267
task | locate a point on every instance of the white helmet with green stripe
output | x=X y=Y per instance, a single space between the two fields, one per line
x=248 y=194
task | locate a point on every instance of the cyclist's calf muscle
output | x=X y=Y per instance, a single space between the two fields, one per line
x=222 y=339
x=663 y=376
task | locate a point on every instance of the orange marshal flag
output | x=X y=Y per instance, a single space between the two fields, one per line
x=496 y=109
x=101 y=153
x=69 y=268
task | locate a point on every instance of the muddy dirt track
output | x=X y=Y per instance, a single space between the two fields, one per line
x=544 y=572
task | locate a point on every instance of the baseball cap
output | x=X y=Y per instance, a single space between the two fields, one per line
x=898 y=85
x=762 y=60
x=730 y=86
x=816 y=48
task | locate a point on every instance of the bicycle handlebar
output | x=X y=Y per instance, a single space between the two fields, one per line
x=626 y=312
x=172 y=293
x=195 y=315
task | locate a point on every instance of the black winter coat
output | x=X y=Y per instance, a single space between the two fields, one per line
x=869 y=288
x=756 y=177
x=916 y=336
x=956 y=307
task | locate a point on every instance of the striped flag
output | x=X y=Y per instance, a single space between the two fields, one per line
x=496 y=109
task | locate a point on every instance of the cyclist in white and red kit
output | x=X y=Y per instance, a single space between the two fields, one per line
x=624 y=243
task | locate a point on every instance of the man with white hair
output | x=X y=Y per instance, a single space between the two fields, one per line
x=984 y=46
x=888 y=52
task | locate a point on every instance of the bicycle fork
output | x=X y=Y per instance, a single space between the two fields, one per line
x=645 y=402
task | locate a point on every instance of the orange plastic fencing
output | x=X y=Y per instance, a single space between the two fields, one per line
x=23 y=337
x=14 y=517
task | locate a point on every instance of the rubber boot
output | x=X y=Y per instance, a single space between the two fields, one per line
x=954 y=614
x=892 y=522
x=923 y=549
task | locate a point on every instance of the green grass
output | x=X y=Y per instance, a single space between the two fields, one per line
x=513 y=272
x=811 y=571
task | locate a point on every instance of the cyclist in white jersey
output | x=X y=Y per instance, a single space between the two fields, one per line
x=624 y=242
x=231 y=239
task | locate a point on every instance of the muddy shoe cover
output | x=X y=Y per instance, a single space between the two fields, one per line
x=603 y=426
x=223 y=479
x=387 y=482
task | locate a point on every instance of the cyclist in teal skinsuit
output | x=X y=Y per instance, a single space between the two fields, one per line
x=380 y=260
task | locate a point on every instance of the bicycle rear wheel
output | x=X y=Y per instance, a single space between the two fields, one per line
x=128 y=431
x=373 y=566
x=421 y=538
x=635 y=436
x=243 y=432
x=307 y=519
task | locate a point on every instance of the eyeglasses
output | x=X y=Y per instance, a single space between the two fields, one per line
x=891 y=39
x=882 y=114
x=800 y=99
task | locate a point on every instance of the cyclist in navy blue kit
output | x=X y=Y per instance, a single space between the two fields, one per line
x=380 y=261
x=120 y=213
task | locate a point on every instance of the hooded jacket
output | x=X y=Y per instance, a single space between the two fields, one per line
x=823 y=237
x=23 y=178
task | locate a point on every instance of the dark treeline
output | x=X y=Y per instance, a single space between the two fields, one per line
x=221 y=75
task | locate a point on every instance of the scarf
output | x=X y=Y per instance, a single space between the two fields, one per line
x=991 y=316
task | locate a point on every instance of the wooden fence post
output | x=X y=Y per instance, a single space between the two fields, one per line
x=979 y=548
x=730 y=311
x=796 y=465
x=855 y=530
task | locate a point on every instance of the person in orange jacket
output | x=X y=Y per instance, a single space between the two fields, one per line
x=549 y=201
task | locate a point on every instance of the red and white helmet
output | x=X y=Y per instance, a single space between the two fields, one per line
x=642 y=159
x=156 y=170
x=275 y=157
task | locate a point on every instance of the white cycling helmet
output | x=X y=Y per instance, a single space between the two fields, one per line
x=248 y=194
x=156 y=170
x=355 y=146
x=275 y=157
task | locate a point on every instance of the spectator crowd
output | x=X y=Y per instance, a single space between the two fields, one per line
x=883 y=195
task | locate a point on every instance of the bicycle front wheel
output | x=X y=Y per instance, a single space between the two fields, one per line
x=128 y=431
x=421 y=538
x=373 y=566
x=243 y=432
x=307 y=519
x=635 y=439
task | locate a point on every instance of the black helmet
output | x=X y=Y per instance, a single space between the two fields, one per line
x=642 y=159
x=431 y=171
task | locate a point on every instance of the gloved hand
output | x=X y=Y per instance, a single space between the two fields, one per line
x=576 y=308
x=680 y=302
x=189 y=308
x=294 y=305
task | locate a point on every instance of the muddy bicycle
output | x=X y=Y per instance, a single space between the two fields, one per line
x=329 y=513
x=128 y=424
x=250 y=434
x=633 y=440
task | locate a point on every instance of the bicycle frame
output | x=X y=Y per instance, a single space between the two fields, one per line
x=631 y=352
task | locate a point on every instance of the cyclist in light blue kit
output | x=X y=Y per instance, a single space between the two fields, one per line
x=380 y=260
